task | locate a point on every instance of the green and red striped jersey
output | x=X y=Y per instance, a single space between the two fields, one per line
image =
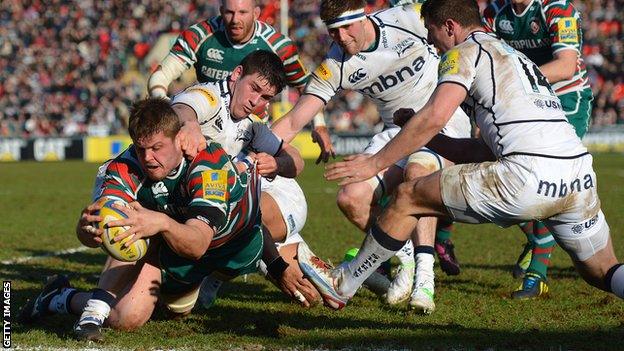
x=206 y=46
x=208 y=188
x=542 y=29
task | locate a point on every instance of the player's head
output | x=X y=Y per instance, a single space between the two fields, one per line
x=258 y=78
x=448 y=21
x=154 y=127
x=239 y=17
x=345 y=21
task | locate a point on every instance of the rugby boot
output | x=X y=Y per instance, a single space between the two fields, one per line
x=89 y=326
x=421 y=300
x=37 y=307
x=446 y=256
x=321 y=276
x=401 y=286
x=519 y=269
x=532 y=286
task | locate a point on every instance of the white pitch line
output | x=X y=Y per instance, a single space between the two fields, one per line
x=50 y=254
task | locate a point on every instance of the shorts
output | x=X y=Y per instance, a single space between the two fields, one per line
x=237 y=257
x=515 y=189
x=578 y=106
x=458 y=127
x=291 y=201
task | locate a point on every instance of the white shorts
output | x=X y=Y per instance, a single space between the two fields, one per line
x=515 y=189
x=292 y=204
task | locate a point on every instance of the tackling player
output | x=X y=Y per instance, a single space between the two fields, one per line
x=384 y=56
x=511 y=174
x=549 y=33
x=216 y=111
x=216 y=46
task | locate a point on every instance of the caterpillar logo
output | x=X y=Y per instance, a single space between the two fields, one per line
x=386 y=82
x=215 y=54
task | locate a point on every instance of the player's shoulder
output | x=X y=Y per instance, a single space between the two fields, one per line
x=126 y=165
x=271 y=36
x=213 y=156
x=400 y=15
x=209 y=91
x=558 y=8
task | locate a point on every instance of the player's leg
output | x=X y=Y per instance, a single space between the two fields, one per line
x=394 y=227
x=524 y=259
x=444 y=247
x=420 y=164
x=534 y=282
x=589 y=245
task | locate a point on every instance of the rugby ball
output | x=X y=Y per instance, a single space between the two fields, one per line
x=132 y=253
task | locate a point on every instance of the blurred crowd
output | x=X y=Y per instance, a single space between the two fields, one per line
x=72 y=68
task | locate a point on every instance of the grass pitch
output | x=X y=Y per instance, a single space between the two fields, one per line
x=40 y=202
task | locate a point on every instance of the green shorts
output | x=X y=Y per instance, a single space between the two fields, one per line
x=237 y=257
x=577 y=106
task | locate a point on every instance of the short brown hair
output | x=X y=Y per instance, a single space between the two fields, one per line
x=331 y=9
x=268 y=66
x=464 y=12
x=151 y=116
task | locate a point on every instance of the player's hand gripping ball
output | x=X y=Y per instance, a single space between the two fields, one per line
x=132 y=253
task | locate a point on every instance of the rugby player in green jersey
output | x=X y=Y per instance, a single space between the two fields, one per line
x=194 y=231
x=549 y=33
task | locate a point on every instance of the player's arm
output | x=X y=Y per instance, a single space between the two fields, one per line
x=273 y=156
x=289 y=161
x=562 y=67
x=564 y=29
x=190 y=238
x=181 y=57
x=120 y=182
x=196 y=104
x=461 y=150
x=418 y=130
x=302 y=113
x=169 y=70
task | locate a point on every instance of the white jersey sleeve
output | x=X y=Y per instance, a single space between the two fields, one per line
x=325 y=82
x=206 y=102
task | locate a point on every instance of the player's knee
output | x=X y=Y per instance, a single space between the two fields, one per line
x=414 y=171
x=350 y=198
x=404 y=196
x=128 y=321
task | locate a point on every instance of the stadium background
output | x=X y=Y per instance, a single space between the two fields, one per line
x=70 y=69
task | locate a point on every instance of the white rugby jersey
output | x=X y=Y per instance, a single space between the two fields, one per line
x=211 y=102
x=510 y=99
x=400 y=71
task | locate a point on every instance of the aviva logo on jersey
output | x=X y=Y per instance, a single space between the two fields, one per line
x=568 y=30
x=214 y=184
x=449 y=63
x=323 y=72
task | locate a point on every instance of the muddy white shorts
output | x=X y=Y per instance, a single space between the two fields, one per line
x=561 y=192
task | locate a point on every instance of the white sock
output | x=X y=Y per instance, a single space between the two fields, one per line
x=95 y=312
x=424 y=269
x=617 y=282
x=406 y=254
x=370 y=256
x=58 y=304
